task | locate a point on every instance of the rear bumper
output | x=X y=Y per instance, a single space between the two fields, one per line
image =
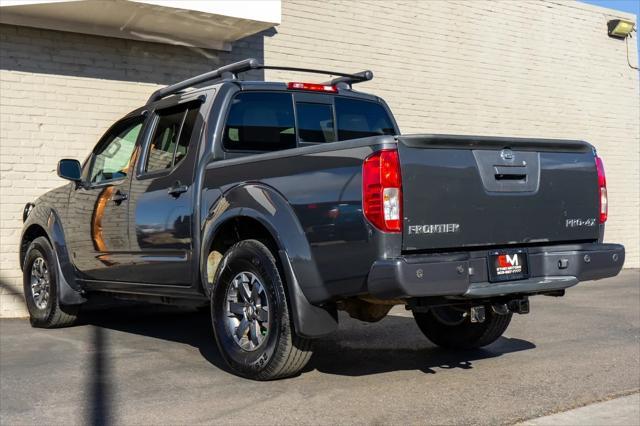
x=466 y=274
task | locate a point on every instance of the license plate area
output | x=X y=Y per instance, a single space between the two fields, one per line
x=508 y=265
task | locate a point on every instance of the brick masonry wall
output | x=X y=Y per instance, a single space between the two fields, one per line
x=540 y=68
x=59 y=92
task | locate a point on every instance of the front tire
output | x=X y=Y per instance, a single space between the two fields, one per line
x=250 y=316
x=447 y=327
x=41 y=288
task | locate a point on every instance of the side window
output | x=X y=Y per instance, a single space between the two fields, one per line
x=260 y=122
x=315 y=122
x=171 y=136
x=187 y=132
x=361 y=119
x=112 y=158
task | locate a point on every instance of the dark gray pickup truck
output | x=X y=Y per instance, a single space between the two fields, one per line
x=278 y=204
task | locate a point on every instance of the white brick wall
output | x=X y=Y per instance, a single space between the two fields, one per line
x=58 y=93
x=540 y=68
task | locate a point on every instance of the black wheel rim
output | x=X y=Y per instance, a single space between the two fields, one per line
x=246 y=311
x=40 y=283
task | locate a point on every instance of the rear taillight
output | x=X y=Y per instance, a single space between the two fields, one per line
x=602 y=188
x=312 y=87
x=382 y=190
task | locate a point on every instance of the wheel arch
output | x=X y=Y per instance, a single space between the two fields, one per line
x=257 y=211
x=43 y=221
x=30 y=233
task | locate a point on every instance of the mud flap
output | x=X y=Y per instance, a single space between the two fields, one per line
x=67 y=294
x=309 y=320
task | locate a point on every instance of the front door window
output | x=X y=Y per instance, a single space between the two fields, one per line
x=112 y=158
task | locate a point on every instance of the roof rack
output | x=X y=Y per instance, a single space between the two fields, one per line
x=344 y=80
x=231 y=71
x=358 y=77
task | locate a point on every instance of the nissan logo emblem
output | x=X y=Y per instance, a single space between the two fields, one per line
x=506 y=154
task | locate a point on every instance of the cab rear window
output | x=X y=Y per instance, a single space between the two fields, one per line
x=266 y=121
x=361 y=119
x=315 y=122
x=260 y=122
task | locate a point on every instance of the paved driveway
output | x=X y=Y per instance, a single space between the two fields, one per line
x=132 y=367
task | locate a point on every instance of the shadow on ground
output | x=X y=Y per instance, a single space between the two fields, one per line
x=167 y=323
x=190 y=328
x=357 y=349
x=365 y=361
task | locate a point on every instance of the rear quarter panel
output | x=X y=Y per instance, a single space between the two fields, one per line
x=322 y=184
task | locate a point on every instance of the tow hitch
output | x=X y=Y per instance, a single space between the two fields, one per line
x=476 y=314
x=517 y=306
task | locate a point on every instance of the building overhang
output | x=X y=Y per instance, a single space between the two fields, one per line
x=212 y=24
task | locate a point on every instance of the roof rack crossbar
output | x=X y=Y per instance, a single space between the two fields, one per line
x=232 y=70
x=358 y=77
x=349 y=79
x=342 y=79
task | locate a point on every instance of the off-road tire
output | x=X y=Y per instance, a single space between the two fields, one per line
x=283 y=353
x=53 y=314
x=466 y=335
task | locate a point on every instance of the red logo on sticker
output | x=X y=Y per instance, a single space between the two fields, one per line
x=504 y=260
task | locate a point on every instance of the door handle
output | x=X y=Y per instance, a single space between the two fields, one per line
x=119 y=197
x=178 y=189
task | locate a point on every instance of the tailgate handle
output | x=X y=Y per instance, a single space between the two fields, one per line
x=510 y=173
x=519 y=171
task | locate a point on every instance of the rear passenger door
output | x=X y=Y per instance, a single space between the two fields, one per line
x=162 y=198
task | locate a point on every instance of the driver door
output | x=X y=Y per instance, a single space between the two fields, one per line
x=99 y=208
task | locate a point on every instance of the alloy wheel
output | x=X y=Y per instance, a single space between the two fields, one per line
x=247 y=315
x=40 y=283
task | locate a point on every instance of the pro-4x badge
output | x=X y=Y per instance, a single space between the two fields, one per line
x=575 y=223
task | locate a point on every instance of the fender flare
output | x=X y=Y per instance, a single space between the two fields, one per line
x=305 y=286
x=46 y=218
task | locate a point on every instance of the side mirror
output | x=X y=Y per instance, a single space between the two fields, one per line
x=70 y=170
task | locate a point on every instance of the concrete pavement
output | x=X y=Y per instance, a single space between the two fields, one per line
x=621 y=411
x=132 y=367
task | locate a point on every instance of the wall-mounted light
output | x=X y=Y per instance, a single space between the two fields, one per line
x=620 y=28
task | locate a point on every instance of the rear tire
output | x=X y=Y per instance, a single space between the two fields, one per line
x=250 y=316
x=446 y=327
x=41 y=288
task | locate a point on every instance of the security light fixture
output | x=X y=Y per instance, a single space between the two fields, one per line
x=620 y=28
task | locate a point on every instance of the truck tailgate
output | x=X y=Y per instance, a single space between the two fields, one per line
x=461 y=191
